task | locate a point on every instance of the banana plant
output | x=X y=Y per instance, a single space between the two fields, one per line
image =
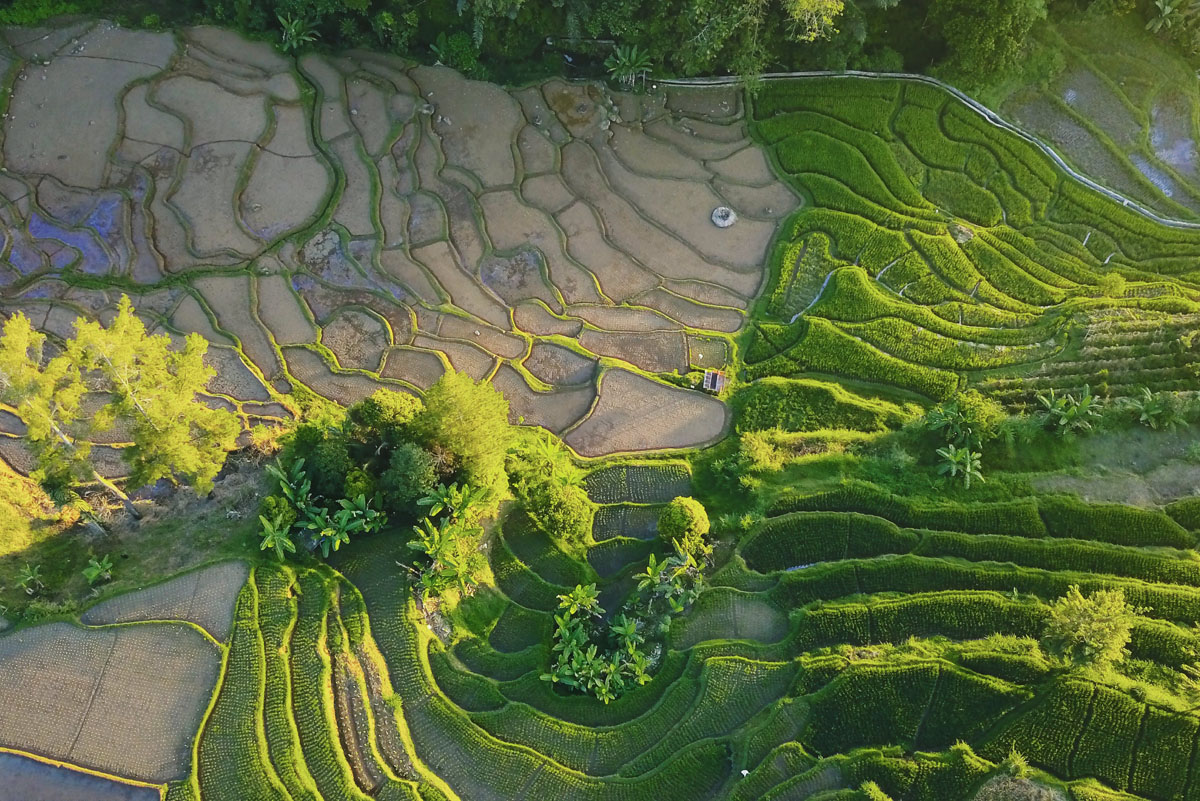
x=293 y=483
x=297 y=31
x=30 y=579
x=1068 y=414
x=962 y=464
x=276 y=536
x=1153 y=409
x=364 y=512
x=1166 y=14
x=460 y=503
x=584 y=598
x=98 y=570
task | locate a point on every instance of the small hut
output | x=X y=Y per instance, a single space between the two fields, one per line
x=714 y=381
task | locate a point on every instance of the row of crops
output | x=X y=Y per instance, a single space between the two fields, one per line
x=937 y=250
x=852 y=639
x=756 y=677
x=293 y=717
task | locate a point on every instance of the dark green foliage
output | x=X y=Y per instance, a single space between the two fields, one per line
x=410 y=475
x=1067 y=516
x=326 y=455
x=383 y=416
x=985 y=36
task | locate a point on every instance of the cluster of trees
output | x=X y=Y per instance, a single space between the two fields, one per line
x=435 y=464
x=974 y=39
x=606 y=658
x=106 y=376
x=971 y=40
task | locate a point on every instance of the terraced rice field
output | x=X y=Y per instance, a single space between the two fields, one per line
x=1123 y=112
x=354 y=222
x=349 y=222
x=770 y=672
x=940 y=251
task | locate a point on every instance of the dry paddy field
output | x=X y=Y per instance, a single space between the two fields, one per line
x=108 y=710
x=354 y=222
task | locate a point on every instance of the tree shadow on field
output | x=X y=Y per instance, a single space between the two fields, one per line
x=178 y=530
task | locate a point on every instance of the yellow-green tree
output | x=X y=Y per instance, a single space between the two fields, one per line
x=468 y=421
x=154 y=387
x=128 y=374
x=47 y=392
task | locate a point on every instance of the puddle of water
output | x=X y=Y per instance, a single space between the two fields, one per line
x=23 y=779
x=1165 y=183
x=94 y=261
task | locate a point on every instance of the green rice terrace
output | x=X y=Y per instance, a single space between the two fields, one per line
x=368 y=431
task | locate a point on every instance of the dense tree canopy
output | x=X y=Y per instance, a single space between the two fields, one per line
x=467 y=421
x=984 y=37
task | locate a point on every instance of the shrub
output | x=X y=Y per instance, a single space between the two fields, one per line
x=326 y=457
x=411 y=474
x=970 y=420
x=278 y=510
x=562 y=511
x=1091 y=630
x=359 y=482
x=383 y=416
x=685 y=520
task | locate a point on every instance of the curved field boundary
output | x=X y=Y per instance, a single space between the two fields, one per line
x=29 y=775
x=991 y=116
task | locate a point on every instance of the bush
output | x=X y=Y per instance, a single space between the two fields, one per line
x=410 y=475
x=384 y=416
x=562 y=511
x=278 y=509
x=970 y=420
x=359 y=482
x=685 y=520
x=326 y=458
x=1092 y=630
